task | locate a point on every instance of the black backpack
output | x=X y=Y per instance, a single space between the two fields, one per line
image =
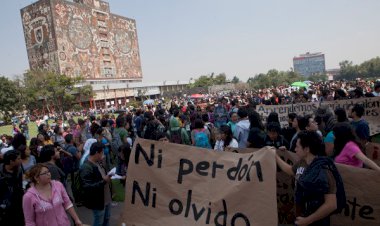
x=314 y=175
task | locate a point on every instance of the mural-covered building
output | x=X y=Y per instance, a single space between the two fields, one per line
x=82 y=37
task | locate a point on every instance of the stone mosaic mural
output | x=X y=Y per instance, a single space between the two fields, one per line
x=39 y=36
x=85 y=38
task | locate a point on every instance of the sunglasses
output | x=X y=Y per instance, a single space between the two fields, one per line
x=45 y=173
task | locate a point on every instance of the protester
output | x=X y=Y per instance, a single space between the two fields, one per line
x=96 y=186
x=289 y=131
x=220 y=113
x=50 y=155
x=376 y=90
x=348 y=148
x=200 y=136
x=46 y=202
x=233 y=120
x=28 y=160
x=319 y=187
x=226 y=139
x=359 y=124
x=11 y=190
x=311 y=125
x=175 y=125
x=274 y=138
x=299 y=123
x=257 y=133
x=242 y=128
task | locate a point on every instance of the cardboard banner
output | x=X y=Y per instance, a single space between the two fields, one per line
x=285 y=190
x=361 y=186
x=373 y=152
x=284 y=186
x=170 y=184
x=363 y=197
x=370 y=104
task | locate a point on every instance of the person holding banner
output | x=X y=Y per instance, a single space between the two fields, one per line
x=319 y=188
x=348 y=148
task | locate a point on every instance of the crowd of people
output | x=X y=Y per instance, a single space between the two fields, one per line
x=68 y=162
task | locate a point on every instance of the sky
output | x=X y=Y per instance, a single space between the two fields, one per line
x=179 y=40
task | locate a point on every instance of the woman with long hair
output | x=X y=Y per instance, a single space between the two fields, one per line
x=28 y=160
x=341 y=116
x=256 y=131
x=348 y=148
x=226 y=139
x=46 y=202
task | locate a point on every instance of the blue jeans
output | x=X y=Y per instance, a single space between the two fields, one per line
x=102 y=217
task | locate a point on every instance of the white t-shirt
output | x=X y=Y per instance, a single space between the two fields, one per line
x=219 y=144
x=4 y=150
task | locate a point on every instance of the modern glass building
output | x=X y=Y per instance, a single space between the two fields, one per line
x=309 y=64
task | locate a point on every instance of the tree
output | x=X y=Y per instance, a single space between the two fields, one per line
x=273 y=78
x=348 y=70
x=370 y=68
x=9 y=96
x=318 y=78
x=219 y=79
x=54 y=91
x=235 y=80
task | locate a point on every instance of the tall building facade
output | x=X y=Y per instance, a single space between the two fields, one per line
x=309 y=64
x=82 y=38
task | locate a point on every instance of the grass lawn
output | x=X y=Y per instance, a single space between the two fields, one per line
x=8 y=129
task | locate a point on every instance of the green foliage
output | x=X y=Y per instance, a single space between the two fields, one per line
x=235 y=80
x=209 y=80
x=134 y=103
x=367 y=69
x=273 y=78
x=51 y=90
x=9 y=97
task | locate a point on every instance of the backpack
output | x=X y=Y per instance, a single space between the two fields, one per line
x=315 y=174
x=201 y=139
x=175 y=136
x=116 y=141
x=213 y=131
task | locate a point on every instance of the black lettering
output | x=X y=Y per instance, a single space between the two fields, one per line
x=214 y=167
x=159 y=157
x=208 y=213
x=154 y=197
x=364 y=211
x=188 y=202
x=139 y=150
x=182 y=171
x=135 y=188
x=259 y=171
x=249 y=170
x=242 y=216
x=171 y=207
x=223 y=214
x=201 y=167
x=354 y=205
x=234 y=170
x=197 y=214
x=243 y=169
